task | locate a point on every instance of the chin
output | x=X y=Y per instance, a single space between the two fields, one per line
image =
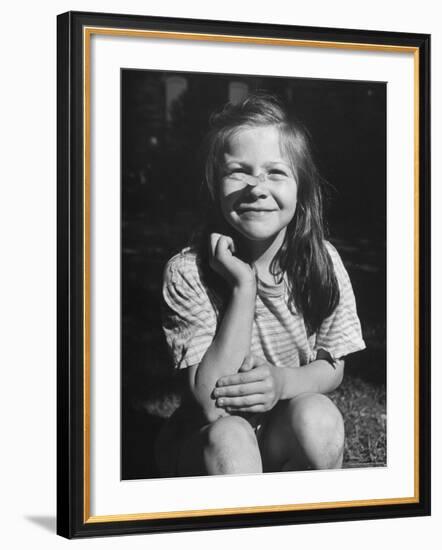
x=256 y=233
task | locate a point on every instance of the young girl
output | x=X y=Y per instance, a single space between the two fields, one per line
x=260 y=312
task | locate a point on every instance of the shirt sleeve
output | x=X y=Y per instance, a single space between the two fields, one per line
x=340 y=333
x=188 y=316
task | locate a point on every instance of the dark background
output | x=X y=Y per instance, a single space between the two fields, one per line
x=164 y=118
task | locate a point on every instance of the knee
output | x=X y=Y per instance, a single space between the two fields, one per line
x=231 y=447
x=316 y=416
x=230 y=432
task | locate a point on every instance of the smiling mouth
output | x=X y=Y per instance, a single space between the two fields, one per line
x=251 y=210
x=253 y=214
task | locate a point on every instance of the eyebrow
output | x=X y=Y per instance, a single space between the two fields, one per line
x=266 y=165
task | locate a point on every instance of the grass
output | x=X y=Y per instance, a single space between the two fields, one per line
x=363 y=406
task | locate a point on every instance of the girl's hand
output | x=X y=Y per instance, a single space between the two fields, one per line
x=257 y=387
x=236 y=272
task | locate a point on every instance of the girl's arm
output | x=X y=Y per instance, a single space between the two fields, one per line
x=232 y=342
x=320 y=376
x=226 y=353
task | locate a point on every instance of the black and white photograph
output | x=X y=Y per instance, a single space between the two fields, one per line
x=253 y=274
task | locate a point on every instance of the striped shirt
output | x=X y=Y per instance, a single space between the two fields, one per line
x=190 y=318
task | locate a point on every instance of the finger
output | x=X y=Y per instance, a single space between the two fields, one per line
x=252 y=409
x=254 y=375
x=247 y=364
x=241 y=389
x=224 y=247
x=214 y=238
x=237 y=402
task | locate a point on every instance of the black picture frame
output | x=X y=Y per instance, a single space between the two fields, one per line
x=73 y=252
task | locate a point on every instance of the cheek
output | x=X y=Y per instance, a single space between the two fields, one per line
x=225 y=205
x=227 y=197
x=287 y=198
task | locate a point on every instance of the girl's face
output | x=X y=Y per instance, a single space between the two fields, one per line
x=257 y=190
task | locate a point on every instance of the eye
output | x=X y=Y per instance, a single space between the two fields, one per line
x=235 y=172
x=277 y=173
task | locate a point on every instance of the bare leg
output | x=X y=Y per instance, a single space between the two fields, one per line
x=227 y=446
x=306 y=432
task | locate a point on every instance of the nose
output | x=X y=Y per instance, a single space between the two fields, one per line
x=256 y=187
x=253 y=181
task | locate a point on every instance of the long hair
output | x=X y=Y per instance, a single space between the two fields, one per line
x=303 y=256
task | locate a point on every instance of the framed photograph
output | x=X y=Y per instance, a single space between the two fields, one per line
x=243 y=274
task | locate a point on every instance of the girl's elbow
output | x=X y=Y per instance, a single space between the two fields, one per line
x=212 y=414
x=206 y=404
x=202 y=397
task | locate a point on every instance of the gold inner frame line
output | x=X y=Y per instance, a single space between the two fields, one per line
x=206 y=37
x=87 y=33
